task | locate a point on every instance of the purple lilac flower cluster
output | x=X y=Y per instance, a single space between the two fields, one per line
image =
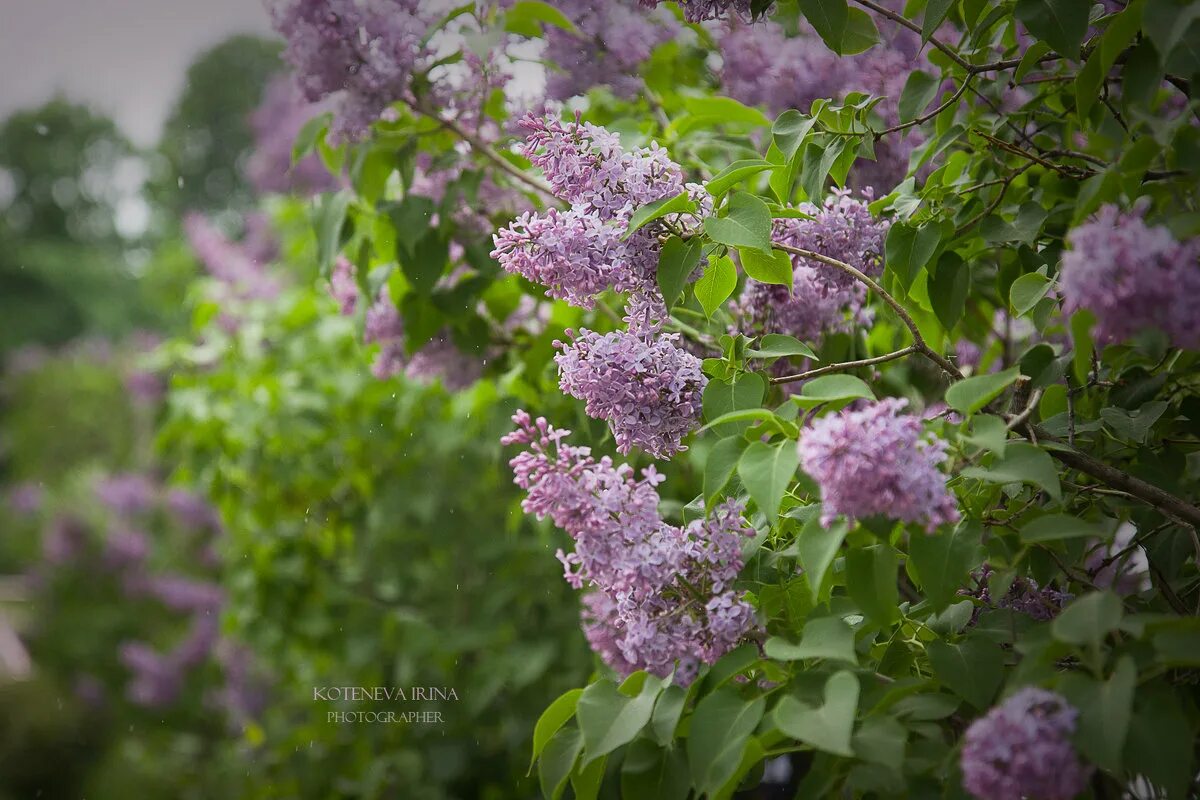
x=124 y=550
x=648 y=389
x=662 y=594
x=823 y=299
x=1022 y=748
x=275 y=124
x=240 y=268
x=700 y=10
x=875 y=460
x=1133 y=277
x=362 y=53
x=438 y=359
x=640 y=381
x=1024 y=595
x=611 y=40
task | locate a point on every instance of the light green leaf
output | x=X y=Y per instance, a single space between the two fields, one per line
x=828 y=17
x=676 y=263
x=667 y=712
x=881 y=740
x=722 y=461
x=766 y=470
x=935 y=14
x=554 y=717
x=1021 y=463
x=524 y=18
x=720 y=726
x=330 y=217
x=747 y=223
x=586 y=779
x=646 y=214
x=609 y=719
x=907 y=249
x=941 y=562
x=919 y=91
x=871 y=579
x=735 y=173
x=558 y=760
x=829 y=727
x=745 y=390
x=790 y=130
x=1052 y=527
x=817 y=547
x=716 y=284
x=828 y=388
x=988 y=432
x=1121 y=31
x=972 y=669
x=972 y=394
x=1089 y=619
x=1027 y=290
x=774 y=267
x=860 y=34
x=823 y=637
x=780 y=345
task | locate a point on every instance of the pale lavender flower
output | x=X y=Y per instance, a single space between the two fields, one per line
x=179 y=593
x=191 y=510
x=875 y=460
x=126 y=493
x=647 y=388
x=1120 y=565
x=343 y=286
x=1022 y=749
x=26 y=498
x=439 y=359
x=239 y=267
x=155 y=682
x=124 y=548
x=1133 y=277
x=276 y=123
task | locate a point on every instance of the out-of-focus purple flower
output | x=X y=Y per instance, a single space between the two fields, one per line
x=156 y=682
x=240 y=269
x=65 y=540
x=1133 y=277
x=439 y=359
x=90 y=690
x=145 y=387
x=612 y=40
x=668 y=596
x=244 y=695
x=343 y=286
x=125 y=547
x=179 y=593
x=361 y=54
x=191 y=510
x=276 y=123
x=647 y=388
x=26 y=498
x=1119 y=565
x=126 y=493
x=875 y=460
x=197 y=646
x=1022 y=749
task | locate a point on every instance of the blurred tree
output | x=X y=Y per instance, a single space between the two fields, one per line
x=208 y=133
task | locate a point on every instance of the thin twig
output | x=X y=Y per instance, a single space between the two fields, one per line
x=918 y=340
x=845 y=365
x=954 y=98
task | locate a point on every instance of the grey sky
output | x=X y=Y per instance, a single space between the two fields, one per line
x=126 y=58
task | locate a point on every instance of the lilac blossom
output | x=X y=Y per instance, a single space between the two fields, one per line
x=191 y=510
x=125 y=548
x=875 y=460
x=1022 y=749
x=439 y=358
x=155 y=681
x=26 y=498
x=276 y=123
x=700 y=10
x=647 y=388
x=360 y=53
x=126 y=493
x=612 y=39
x=667 y=595
x=1132 y=277
x=1024 y=596
x=1120 y=565
x=343 y=286
x=240 y=269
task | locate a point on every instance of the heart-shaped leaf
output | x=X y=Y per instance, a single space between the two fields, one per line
x=826 y=728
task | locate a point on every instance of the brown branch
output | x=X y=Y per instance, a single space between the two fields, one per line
x=919 y=343
x=954 y=98
x=845 y=365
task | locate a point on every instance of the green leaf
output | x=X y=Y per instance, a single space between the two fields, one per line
x=747 y=223
x=330 y=217
x=1060 y=23
x=871 y=579
x=707 y=108
x=722 y=461
x=790 y=130
x=410 y=220
x=828 y=17
x=424 y=264
x=972 y=669
x=1135 y=425
x=948 y=289
x=524 y=18
x=1105 y=709
x=774 y=267
x=309 y=135
x=1171 y=25
x=941 y=562
x=586 y=779
x=818 y=159
x=1021 y=463
x=907 y=249
x=1121 y=31
x=935 y=14
x=676 y=263
x=1052 y=527
x=881 y=740
x=735 y=173
x=557 y=761
x=716 y=284
x=1027 y=291
x=828 y=388
x=817 y=547
x=554 y=717
x=1081 y=336
x=667 y=712
x=827 y=728
x=609 y=719
x=646 y=214
x=989 y=433
x=972 y=394
x=860 y=34
x=654 y=773
x=1088 y=619
x=780 y=345
x=823 y=637
x=766 y=470
x=919 y=91
x=745 y=390
x=1160 y=740
x=720 y=726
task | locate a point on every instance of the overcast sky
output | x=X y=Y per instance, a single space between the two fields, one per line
x=124 y=57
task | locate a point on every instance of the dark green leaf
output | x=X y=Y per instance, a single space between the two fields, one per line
x=1021 y=463
x=973 y=669
x=948 y=288
x=722 y=461
x=1052 y=527
x=677 y=204
x=609 y=719
x=940 y=562
x=823 y=637
x=558 y=760
x=676 y=263
x=654 y=773
x=1089 y=619
x=1105 y=709
x=817 y=546
x=1059 y=23
x=789 y=132
x=871 y=579
x=720 y=726
x=828 y=17
x=826 y=728
x=919 y=91
x=935 y=13
x=907 y=249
